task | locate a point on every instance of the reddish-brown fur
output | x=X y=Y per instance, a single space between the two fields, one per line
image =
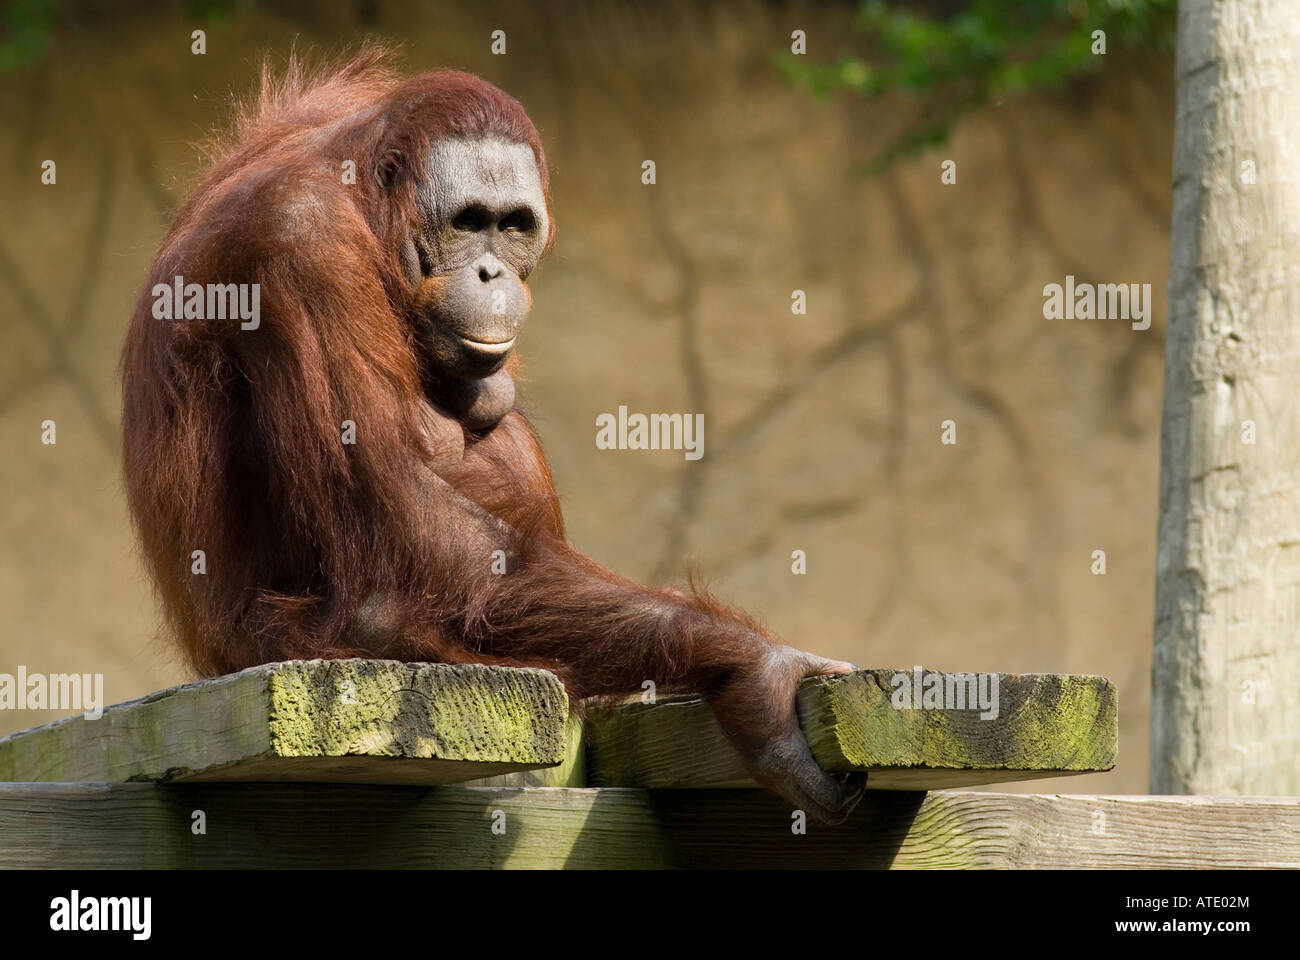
x=383 y=548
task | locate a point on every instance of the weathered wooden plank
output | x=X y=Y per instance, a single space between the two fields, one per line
x=1046 y=725
x=572 y=772
x=362 y=721
x=149 y=825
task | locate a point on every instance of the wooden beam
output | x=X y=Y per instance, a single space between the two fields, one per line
x=1046 y=725
x=140 y=825
x=362 y=721
x=571 y=772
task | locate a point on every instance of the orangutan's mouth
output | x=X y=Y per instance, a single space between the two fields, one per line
x=490 y=349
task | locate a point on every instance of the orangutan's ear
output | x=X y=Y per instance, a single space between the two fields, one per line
x=387 y=169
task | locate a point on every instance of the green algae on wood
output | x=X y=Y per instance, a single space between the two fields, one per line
x=1045 y=725
x=572 y=772
x=367 y=721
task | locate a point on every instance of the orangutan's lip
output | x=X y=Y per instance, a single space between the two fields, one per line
x=478 y=346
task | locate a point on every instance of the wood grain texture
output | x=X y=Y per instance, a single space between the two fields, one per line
x=1225 y=704
x=142 y=825
x=1046 y=725
x=572 y=772
x=363 y=721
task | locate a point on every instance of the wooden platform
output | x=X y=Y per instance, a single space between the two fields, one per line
x=348 y=764
x=379 y=721
x=79 y=825
x=338 y=721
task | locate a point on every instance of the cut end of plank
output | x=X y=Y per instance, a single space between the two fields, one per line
x=1045 y=724
x=382 y=708
x=369 y=721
